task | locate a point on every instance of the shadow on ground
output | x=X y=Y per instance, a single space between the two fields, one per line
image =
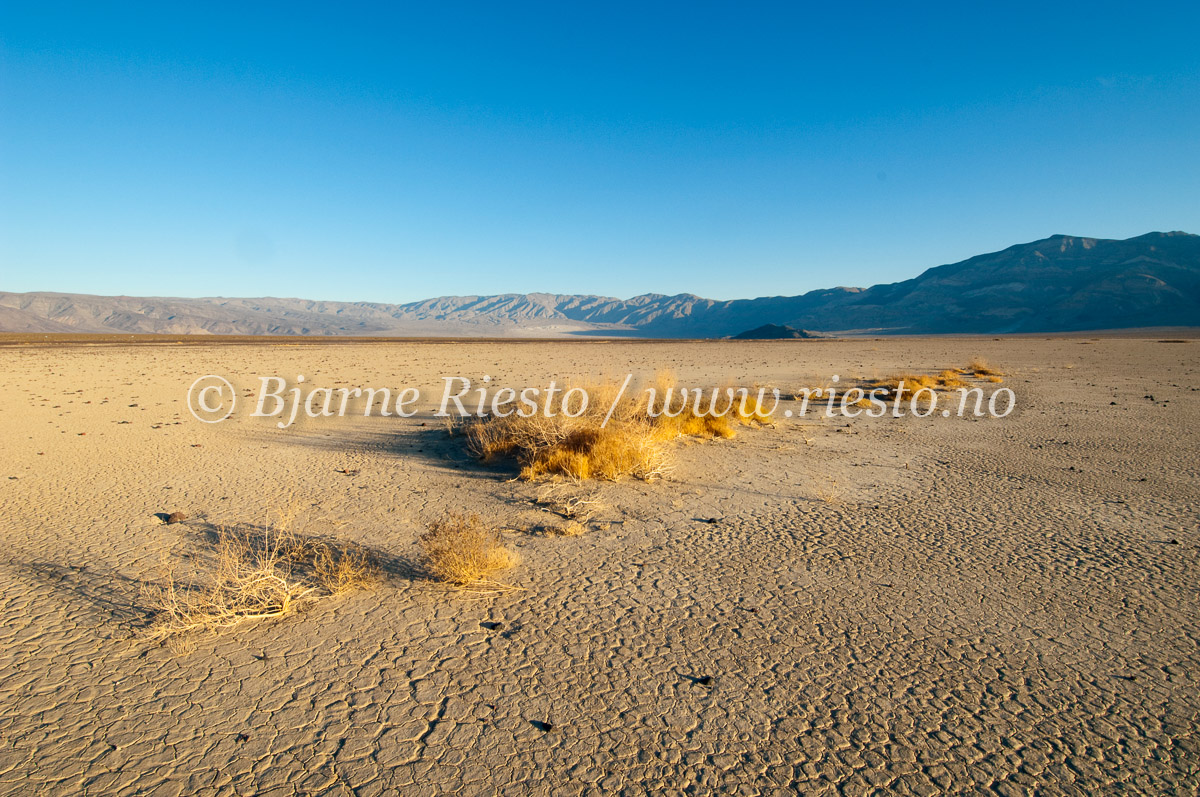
x=108 y=597
x=425 y=442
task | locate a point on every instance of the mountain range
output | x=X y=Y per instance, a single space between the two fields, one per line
x=1058 y=284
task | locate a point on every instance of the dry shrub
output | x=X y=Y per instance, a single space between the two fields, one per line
x=569 y=501
x=979 y=367
x=462 y=551
x=574 y=504
x=704 y=414
x=633 y=442
x=618 y=449
x=578 y=448
x=904 y=384
x=949 y=379
x=817 y=394
x=343 y=568
x=255 y=574
x=829 y=493
x=572 y=528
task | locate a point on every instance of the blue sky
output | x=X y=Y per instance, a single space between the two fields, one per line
x=392 y=153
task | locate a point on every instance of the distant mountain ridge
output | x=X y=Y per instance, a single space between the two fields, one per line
x=1058 y=284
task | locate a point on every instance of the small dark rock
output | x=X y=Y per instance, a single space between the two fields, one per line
x=544 y=727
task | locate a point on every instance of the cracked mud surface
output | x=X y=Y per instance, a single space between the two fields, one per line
x=997 y=605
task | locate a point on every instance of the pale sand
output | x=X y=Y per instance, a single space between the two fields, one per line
x=990 y=604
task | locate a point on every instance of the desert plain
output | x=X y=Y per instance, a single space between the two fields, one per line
x=827 y=605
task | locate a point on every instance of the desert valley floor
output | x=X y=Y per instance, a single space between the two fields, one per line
x=828 y=605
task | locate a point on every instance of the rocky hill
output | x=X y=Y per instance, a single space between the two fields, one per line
x=774 y=332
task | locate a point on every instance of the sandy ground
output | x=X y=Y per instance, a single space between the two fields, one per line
x=881 y=604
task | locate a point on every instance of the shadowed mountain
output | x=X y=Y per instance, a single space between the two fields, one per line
x=1058 y=284
x=774 y=332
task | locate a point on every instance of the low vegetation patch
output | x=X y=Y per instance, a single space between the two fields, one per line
x=462 y=551
x=909 y=384
x=903 y=385
x=951 y=378
x=979 y=367
x=567 y=499
x=575 y=506
x=256 y=573
x=635 y=440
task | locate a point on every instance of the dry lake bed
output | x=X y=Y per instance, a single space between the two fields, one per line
x=852 y=606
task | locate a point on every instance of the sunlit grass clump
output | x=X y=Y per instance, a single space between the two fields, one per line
x=462 y=551
x=904 y=385
x=909 y=384
x=979 y=367
x=635 y=441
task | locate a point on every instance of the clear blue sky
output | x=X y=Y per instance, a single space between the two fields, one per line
x=396 y=153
